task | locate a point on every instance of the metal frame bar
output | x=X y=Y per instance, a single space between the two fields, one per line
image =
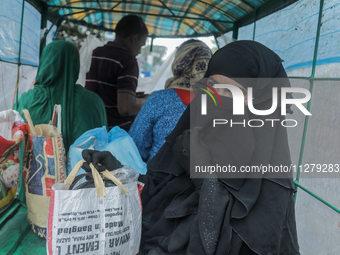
x=17 y=63
x=138 y=2
x=318 y=198
x=254 y=29
x=108 y=1
x=186 y=11
x=305 y=128
x=316 y=47
x=249 y=3
x=167 y=7
x=151 y=45
x=218 y=45
x=263 y=10
x=143 y=6
x=102 y=15
x=235 y=31
x=116 y=5
x=43 y=25
x=219 y=9
x=49 y=30
x=140 y=13
x=316 y=78
x=112 y=30
x=19 y=56
x=311 y=80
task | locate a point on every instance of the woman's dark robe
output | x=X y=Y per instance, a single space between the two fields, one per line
x=231 y=215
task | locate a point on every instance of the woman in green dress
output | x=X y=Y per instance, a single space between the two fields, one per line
x=55 y=83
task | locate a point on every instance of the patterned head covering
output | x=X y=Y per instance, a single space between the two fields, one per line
x=191 y=61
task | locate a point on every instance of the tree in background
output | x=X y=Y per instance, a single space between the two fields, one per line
x=76 y=34
x=149 y=62
x=214 y=48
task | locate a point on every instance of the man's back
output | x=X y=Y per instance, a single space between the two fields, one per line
x=113 y=70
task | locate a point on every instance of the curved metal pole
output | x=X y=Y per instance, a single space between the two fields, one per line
x=19 y=56
x=297 y=180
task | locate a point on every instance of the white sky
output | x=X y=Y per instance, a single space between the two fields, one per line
x=171 y=44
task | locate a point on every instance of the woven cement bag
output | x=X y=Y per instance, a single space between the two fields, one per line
x=44 y=166
x=101 y=220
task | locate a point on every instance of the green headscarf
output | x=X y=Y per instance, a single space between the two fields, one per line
x=58 y=72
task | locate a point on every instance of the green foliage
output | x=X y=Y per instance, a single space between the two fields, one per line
x=75 y=33
x=214 y=48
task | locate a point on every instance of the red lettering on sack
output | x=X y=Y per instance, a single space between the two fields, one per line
x=49 y=147
x=83 y=247
x=61 y=177
x=61 y=168
x=58 y=142
x=49 y=183
x=60 y=156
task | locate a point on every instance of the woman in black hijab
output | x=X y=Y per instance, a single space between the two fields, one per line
x=223 y=214
x=243 y=215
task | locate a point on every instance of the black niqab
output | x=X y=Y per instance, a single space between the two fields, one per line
x=248 y=59
x=230 y=214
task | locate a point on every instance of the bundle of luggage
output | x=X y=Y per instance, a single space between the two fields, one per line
x=98 y=211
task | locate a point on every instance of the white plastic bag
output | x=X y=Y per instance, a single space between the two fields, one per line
x=95 y=220
x=12 y=133
x=7 y=119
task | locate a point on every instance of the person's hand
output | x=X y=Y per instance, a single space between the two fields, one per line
x=140 y=94
x=190 y=150
x=101 y=160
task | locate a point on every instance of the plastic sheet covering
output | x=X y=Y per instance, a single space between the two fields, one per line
x=8 y=77
x=10 y=17
x=157 y=81
x=291 y=33
x=246 y=32
x=329 y=50
x=225 y=39
x=26 y=78
x=300 y=72
x=295 y=133
x=51 y=34
x=7 y=84
x=317 y=225
x=323 y=134
x=328 y=70
x=30 y=35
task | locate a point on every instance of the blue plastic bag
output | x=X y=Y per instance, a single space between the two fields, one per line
x=117 y=141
